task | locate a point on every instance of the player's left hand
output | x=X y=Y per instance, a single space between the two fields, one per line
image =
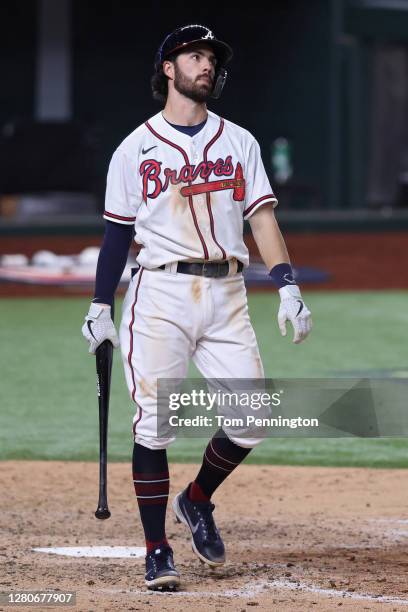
x=293 y=309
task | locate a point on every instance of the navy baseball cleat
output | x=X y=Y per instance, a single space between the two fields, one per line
x=160 y=571
x=206 y=541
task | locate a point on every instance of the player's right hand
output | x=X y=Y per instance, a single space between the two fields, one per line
x=99 y=326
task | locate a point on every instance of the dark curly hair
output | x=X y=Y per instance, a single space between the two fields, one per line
x=159 y=82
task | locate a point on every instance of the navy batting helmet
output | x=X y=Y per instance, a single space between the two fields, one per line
x=182 y=37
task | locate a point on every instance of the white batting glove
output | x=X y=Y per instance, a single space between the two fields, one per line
x=99 y=326
x=293 y=309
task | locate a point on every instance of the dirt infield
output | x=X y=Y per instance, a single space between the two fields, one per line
x=296 y=538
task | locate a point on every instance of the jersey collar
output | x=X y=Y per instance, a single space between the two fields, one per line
x=204 y=136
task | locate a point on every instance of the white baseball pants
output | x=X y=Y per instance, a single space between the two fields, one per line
x=169 y=318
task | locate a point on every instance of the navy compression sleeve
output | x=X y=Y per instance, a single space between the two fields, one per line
x=112 y=260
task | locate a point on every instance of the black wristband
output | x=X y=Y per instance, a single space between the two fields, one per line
x=282 y=274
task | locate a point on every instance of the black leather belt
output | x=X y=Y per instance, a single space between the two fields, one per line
x=211 y=269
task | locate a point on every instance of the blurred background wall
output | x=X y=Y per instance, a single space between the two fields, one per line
x=278 y=85
x=329 y=76
x=323 y=86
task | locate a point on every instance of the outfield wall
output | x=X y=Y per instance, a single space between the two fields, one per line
x=358 y=260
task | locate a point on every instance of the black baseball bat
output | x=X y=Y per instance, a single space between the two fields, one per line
x=104 y=354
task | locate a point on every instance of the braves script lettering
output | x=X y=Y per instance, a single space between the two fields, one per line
x=151 y=169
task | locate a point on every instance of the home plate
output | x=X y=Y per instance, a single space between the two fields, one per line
x=96 y=551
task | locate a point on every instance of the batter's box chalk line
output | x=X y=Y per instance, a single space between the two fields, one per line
x=261 y=587
x=109 y=552
x=391 y=521
x=245 y=592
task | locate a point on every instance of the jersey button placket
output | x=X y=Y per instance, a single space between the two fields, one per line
x=194 y=153
x=202 y=202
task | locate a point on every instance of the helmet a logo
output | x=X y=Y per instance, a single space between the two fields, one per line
x=209 y=35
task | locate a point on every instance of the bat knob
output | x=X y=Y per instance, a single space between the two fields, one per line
x=102 y=513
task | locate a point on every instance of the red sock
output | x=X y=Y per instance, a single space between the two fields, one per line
x=196 y=494
x=152 y=545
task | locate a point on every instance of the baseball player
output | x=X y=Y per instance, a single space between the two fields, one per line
x=182 y=185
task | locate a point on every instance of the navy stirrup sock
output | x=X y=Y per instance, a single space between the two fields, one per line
x=221 y=457
x=151 y=481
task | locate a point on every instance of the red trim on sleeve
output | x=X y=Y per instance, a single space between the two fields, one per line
x=270 y=197
x=109 y=214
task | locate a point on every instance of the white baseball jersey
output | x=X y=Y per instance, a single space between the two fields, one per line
x=187 y=196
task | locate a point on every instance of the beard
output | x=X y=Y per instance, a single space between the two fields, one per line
x=198 y=91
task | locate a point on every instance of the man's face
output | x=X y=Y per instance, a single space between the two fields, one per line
x=194 y=71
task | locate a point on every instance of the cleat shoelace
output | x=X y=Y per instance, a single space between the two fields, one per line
x=205 y=516
x=161 y=557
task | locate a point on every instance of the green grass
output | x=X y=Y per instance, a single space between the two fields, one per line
x=48 y=397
